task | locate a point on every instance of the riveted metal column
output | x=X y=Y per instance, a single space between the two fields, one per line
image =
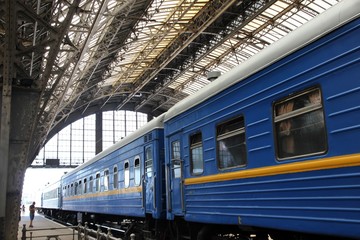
x=8 y=60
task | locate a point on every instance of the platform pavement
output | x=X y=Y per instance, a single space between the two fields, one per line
x=43 y=228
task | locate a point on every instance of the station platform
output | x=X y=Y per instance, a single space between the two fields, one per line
x=44 y=229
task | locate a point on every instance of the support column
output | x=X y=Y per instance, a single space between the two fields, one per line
x=22 y=118
x=98 y=133
x=4 y=149
x=8 y=70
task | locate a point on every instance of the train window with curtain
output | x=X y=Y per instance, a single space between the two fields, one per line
x=299 y=125
x=91 y=184
x=106 y=180
x=137 y=171
x=115 y=178
x=126 y=174
x=97 y=182
x=231 y=145
x=148 y=161
x=196 y=154
x=85 y=186
x=176 y=159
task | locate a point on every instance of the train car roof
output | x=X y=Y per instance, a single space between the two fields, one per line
x=153 y=124
x=324 y=23
x=51 y=186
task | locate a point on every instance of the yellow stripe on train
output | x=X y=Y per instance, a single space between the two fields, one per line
x=304 y=166
x=106 y=193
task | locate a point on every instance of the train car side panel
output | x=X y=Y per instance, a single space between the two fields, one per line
x=118 y=182
x=51 y=196
x=268 y=180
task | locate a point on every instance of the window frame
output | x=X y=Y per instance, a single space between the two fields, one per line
x=193 y=147
x=298 y=113
x=106 y=180
x=149 y=173
x=176 y=162
x=115 y=177
x=91 y=184
x=72 y=189
x=79 y=187
x=126 y=174
x=219 y=136
x=137 y=171
x=98 y=182
x=85 y=190
x=75 y=188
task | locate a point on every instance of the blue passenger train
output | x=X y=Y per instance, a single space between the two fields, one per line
x=269 y=149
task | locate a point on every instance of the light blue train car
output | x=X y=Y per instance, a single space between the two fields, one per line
x=274 y=143
x=126 y=180
x=51 y=199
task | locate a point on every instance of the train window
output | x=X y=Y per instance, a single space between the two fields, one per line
x=85 y=186
x=231 y=145
x=68 y=191
x=176 y=159
x=79 y=188
x=76 y=188
x=106 y=180
x=64 y=192
x=50 y=194
x=299 y=125
x=137 y=171
x=196 y=154
x=148 y=161
x=115 y=178
x=72 y=190
x=91 y=184
x=126 y=174
x=97 y=182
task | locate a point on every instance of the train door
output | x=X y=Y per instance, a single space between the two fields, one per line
x=148 y=182
x=175 y=172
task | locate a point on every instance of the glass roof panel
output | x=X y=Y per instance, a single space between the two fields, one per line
x=112 y=44
x=284 y=19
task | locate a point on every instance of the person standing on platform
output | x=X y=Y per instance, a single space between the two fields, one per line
x=32 y=213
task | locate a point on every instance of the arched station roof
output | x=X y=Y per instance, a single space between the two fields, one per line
x=86 y=56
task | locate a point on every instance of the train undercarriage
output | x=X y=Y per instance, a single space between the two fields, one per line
x=154 y=229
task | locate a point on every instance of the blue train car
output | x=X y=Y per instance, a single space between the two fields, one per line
x=125 y=180
x=274 y=143
x=51 y=198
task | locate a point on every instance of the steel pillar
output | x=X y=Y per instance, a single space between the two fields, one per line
x=98 y=133
x=8 y=60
